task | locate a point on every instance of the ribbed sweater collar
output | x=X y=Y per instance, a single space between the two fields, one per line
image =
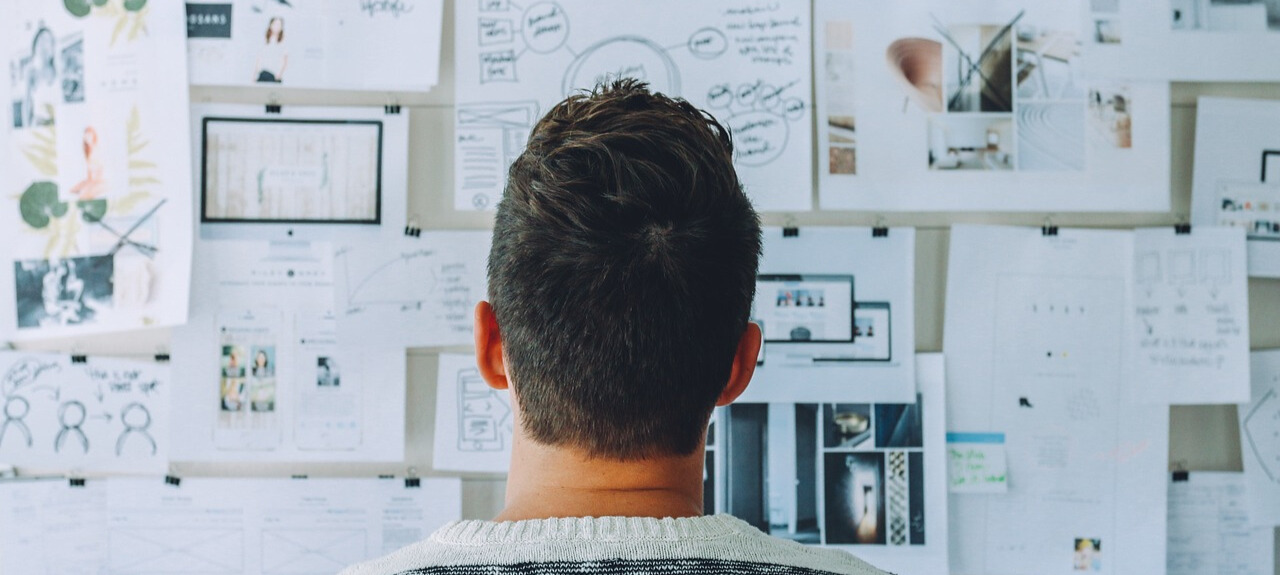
x=594 y=529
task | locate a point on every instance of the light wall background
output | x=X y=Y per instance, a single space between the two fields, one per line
x=1201 y=437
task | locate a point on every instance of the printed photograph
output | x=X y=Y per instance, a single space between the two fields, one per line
x=63 y=292
x=262 y=384
x=971 y=142
x=1088 y=555
x=855 y=506
x=978 y=67
x=1226 y=15
x=899 y=425
x=327 y=372
x=1051 y=136
x=845 y=425
x=273 y=55
x=232 y=387
x=770 y=459
x=1109 y=120
x=33 y=75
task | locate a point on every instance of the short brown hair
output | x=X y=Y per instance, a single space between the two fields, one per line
x=622 y=272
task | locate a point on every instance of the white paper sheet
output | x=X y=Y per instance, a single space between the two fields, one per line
x=103 y=415
x=940 y=106
x=95 y=227
x=250 y=526
x=1191 y=324
x=1210 y=531
x=868 y=478
x=1236 y=141
x=411 y=291
x=474 y=422
x=1035 y=341
x=303 y=173
x=748 y=63
x=268 y=378
x=1187 y=40
x=1260 y=439
x=802 y=293
x=330 y=44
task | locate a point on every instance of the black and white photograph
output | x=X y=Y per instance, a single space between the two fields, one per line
x=971 y=142
x=1226 y=15
x=845 y=425
x=855 y=506
x=770 y=456
x=62 y=292
x=899 y=424
x=327 y=374
x=978 y=67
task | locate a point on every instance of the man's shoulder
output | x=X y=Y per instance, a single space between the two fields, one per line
x=734 y=548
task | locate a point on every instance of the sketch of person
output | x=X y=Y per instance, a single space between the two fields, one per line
x=71 y=416
x=137 y=421
x=16 y=409
x=39 y=81
x=93 y=185
x=273 y=58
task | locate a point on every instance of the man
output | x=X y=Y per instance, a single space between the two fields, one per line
x=620 y=282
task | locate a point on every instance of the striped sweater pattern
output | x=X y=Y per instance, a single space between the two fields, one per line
x=719 y=544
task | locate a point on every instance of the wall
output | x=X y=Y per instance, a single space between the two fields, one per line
x=1201 y=437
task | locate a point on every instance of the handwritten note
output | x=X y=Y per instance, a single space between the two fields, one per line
x=1191 y=316
x=976 y=463
x=416 y=292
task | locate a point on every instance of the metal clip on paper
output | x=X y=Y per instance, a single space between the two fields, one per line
x=162 y=355
x=411 y=481
x=173 y=480
x=412 y=229
x=1049 y=229
x=789 y=229
x=880 y=230
x=273 y=104
x=75 y=481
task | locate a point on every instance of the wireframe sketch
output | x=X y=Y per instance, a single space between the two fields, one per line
x=484 y=416
x=747 y=65
x=1261 y=433
x=177 y=550
x=297 y=551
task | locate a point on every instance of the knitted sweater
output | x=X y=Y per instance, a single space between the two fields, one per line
x=610 y=545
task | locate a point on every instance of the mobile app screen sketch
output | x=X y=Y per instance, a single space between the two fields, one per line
x=294 y=171
x=805 y=308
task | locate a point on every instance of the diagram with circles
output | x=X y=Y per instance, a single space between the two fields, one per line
x=747 y=64
x=92 y=415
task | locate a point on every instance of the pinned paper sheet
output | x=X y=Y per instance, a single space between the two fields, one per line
x=97 y=415
x=1210 y=527
x=1260 y=439
x=977 y=463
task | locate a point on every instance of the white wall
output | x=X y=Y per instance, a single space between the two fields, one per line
x=1201 y=437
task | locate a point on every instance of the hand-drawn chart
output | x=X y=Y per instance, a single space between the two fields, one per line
x=1190 y=329
x=484 y=415
x=419 y=291
x=95 y=414
x=748 y=64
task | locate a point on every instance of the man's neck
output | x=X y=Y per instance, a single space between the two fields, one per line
x=547 y=482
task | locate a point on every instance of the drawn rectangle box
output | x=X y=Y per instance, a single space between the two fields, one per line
x=1182 y=267
x=494 y=31
x=497 y=66
x=1215 y=266
x=176 y=550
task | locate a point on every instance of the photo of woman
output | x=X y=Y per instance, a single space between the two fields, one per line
x=273 y=58
x=94 y=184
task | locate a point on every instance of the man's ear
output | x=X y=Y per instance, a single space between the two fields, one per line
x=744 y=365
x=489 y=347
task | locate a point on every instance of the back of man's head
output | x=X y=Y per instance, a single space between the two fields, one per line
x=622 y=273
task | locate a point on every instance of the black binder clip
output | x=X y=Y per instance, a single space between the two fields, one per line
x=411 y=229
x=273 y=108
x=1048 y=229
x=298 y=476
x=1181 y=476
x=391 y=109
x=790 y=232
x=880 y=230
x=162 y=357
x=75 y=482
x=79 y=359
x=1182 y=229
x=172 y=480
x=411 y=481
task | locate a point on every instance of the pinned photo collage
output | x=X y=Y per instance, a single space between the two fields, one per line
x=821 y=474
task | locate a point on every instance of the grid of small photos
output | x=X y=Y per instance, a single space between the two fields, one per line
x=829 y=474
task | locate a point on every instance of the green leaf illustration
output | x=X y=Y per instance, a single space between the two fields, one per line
x=40 y=203
x=134 y=5
x=92 y=210
x=77 y=8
